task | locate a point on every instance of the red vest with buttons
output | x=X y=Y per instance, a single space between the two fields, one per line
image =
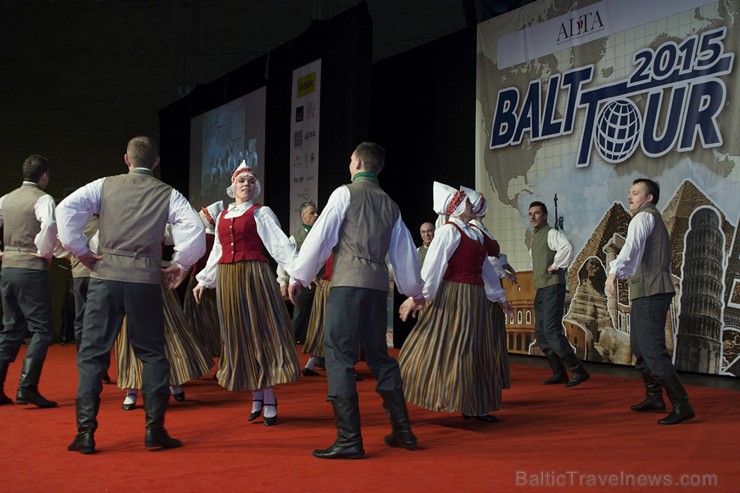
x=239 y=239
x=466 y=264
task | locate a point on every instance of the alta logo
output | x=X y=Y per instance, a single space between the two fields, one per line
x=580 y=25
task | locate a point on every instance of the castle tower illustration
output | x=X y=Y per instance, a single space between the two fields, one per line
x=698 y=339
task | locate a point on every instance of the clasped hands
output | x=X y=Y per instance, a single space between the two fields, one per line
x=411 y=307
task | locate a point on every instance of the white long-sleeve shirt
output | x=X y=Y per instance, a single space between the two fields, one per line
x=446 y=240
x=563 y=248
x=324 y=235
x=75 y=210
x=43 y=209
x=277 y=244
x=640 y=227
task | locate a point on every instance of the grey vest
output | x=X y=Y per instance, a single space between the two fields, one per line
x=133 y=215
x=299 y=236
x=653 y=275
x=20 y=228
x=364 y=237
x=542 y=258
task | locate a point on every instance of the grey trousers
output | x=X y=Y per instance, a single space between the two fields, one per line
x=79 y=289
x=107 y=303
x=647 y=335
x=357 y=316
x=26 y=298
x=548 y=320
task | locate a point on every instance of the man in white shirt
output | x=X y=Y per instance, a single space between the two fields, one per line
x=134 y=209
x=645 y=260
x=552 y=253
x=361 y=224
x=29 y=236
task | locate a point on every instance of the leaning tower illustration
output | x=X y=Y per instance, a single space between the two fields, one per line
x=698 y=340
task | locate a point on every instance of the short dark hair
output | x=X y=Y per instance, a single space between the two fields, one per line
x=372 y=155
x=34 y=167
x=652 y=188
x=539 y=204
x=142 y=151
x=305 y=205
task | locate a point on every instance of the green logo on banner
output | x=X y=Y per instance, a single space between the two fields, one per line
x=306 y=85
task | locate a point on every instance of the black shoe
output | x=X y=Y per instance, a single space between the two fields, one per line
x=83 y=443
x=487 y=418
x=358 y=377
x=160 y=438
x=256 y=414
x=578 y=378
x=270 y=421
x=308 y=372
x=555 y=378
x=32 y=396
x=180 y=396
x=129 y=406
x=106 y=378
x=321 y=364
x=681 y=412
x=337 y=452
x=651 y=404
x=405 y=440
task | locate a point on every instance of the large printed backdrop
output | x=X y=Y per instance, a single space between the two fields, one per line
x=576 y=99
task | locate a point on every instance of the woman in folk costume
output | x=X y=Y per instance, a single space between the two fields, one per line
x=503 y=269
x=449 y=363
x=203 y=316
x=314 y=345
x=257 y=351
x=188 y=359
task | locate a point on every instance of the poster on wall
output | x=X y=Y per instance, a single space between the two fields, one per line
x=575 y=100
x=304 y=140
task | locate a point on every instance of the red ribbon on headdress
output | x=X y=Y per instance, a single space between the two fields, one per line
x=457 y=199
x=239 y=171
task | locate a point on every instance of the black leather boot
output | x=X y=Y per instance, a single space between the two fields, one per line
x=653 y=396
x=86 y=412
x=348 y=444
x=155 y=406
x=580 y=374
x=28 y=388
x=395 y=406
x=682 y=410
x=4 y=399
x=559 y=375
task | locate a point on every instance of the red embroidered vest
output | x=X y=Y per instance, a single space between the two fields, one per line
x=466 y=264
x=239 y=239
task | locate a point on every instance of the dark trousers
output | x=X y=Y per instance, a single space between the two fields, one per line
x=647 y=335
x=26 y=298
x=548 y=320
x=354 y=316
x=79 y=289
x=302 y=313
x=107 y=303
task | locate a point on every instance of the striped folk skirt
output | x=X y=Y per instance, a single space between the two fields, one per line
x=258 y=349
x=315 y=333
x=188 y=361
x=203 y=318
x=498 y=319
x=450 y=360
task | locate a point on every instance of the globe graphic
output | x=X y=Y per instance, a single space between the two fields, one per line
x=618 y=130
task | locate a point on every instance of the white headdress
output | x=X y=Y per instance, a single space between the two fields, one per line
x=241 y=170
x=447 y=200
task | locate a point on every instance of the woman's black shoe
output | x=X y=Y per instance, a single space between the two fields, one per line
x=270 y=421
x=257 y=413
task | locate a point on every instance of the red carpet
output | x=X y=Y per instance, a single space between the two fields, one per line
x=549 y=438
